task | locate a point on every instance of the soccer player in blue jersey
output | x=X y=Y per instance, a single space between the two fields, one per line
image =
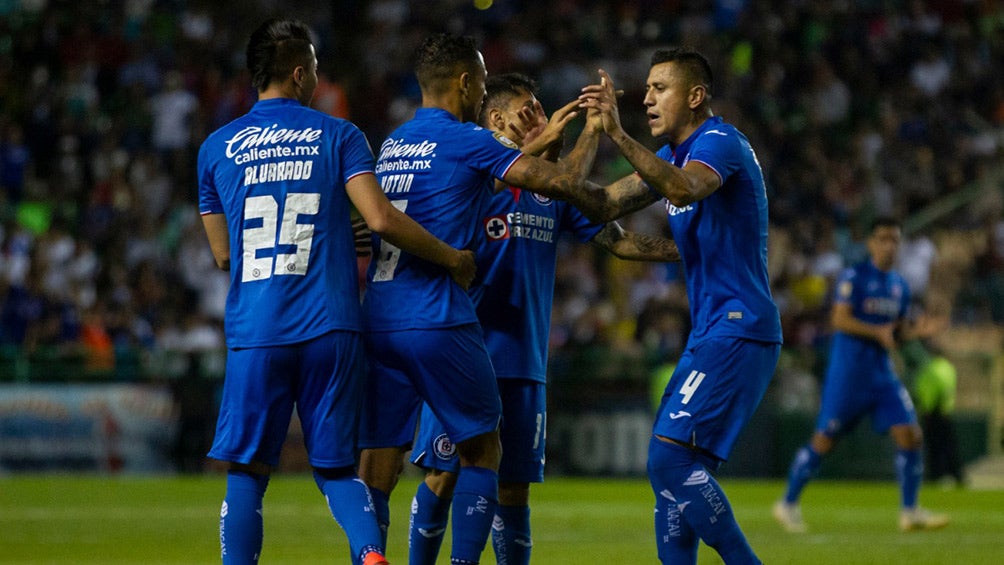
x=717 y=207
x=516 y=266
x=868 y=315
x=422 y=333
x=275 y=191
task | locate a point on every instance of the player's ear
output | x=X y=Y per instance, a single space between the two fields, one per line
x=465 y=83
x=698 y=94
x=496 y=119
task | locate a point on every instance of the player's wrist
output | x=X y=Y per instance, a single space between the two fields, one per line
x=618 y=136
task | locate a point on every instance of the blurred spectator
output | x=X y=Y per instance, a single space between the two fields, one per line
x=173 y=110
x=330 y=98
x=14 y=160
x=859 y=109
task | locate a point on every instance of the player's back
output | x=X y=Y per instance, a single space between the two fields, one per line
x=723 y=239
x=278 y=173
x=439 y=172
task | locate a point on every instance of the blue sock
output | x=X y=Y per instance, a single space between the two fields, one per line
x=429 y=515
x=474 y=500
x=909 y=471
x=351 y=506
x=803 y=468
x=702 y=503
x=511 y=535
x=381 y=504
x=241 y=522
x=675 y=540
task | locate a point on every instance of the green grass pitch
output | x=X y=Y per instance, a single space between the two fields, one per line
x=64 y=519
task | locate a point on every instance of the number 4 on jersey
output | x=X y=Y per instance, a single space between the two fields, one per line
x=690 y=385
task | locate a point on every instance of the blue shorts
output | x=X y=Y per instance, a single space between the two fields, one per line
x=851 y=392
x=523 y=434
x=448 y=368
x=714 y=391
x=322 y=378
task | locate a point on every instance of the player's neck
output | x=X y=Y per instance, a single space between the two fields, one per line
x=884 y=267
x=285 y=89
x=451 y=104
x=697 y=119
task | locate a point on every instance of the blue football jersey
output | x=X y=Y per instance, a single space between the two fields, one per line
x=516 y=263
x=441 y=173
x=875 y=297
x=278 y=173
x=723 y=239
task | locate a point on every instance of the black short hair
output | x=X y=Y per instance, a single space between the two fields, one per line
x=695 y=65
x=502 y=88
x=884 y=222
x=443 y=56
x=276 y=48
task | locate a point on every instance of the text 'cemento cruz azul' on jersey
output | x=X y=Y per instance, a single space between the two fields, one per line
x=530 y=220
x=521 y=225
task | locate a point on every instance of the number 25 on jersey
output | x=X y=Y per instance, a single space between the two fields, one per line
x=274 y=248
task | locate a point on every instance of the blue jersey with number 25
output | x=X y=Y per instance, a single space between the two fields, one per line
x=278 y=173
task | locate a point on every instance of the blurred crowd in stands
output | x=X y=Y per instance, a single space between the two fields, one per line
x=857 y=108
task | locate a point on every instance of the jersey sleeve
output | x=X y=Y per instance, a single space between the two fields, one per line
x=844 y=293
x=492 y=152
x=355 y=152
x=576 y=223
x=209 y=197
x=721 y=149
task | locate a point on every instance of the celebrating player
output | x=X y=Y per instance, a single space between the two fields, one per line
x=717 y=208
x=422 y=333
x=868 y=312
x=516 y=260
x=275 y=191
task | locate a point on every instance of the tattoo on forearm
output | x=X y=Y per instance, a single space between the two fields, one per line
x=651 y=247
x=636 y=200
x=635 y=246
x=608 y=237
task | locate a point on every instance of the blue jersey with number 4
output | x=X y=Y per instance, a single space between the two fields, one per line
x=723 y=239
x=278 y=173
x=440 y=172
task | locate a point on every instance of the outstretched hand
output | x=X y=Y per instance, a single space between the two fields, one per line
x=540 y=134
x=528 y=125
x=601 y=100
